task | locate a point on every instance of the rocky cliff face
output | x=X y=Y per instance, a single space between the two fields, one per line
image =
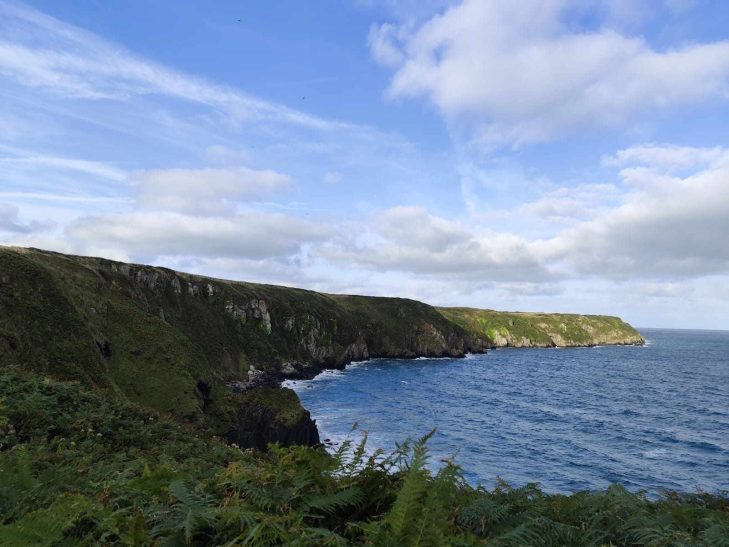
x=207 y=351
x=212 y=352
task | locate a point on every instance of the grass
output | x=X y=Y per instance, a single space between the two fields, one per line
x=542 y=329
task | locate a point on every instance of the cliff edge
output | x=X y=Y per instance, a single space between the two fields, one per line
x=207 y=351
x=212 y=353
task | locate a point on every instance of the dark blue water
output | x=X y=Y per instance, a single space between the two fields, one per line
x=653 y=417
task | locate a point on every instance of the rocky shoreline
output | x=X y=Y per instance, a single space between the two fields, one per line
x=213 y=353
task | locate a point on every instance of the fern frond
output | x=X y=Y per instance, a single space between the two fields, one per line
x=190 y=512
x=330 y=503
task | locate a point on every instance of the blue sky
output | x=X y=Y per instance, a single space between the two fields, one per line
x=555 y=155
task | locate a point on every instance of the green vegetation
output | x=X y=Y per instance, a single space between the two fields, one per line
x=521 y=329
x=81 y=466
x=126 y=390
x=177 y=342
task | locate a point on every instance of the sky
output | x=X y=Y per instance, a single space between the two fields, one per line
x=540 y=155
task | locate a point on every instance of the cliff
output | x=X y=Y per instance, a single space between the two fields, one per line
x=522 y=329
x=207 y=351
x=211 y=352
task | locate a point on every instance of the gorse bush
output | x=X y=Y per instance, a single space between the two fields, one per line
x=80 y=467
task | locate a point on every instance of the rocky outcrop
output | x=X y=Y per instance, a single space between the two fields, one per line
x=254 y=310
x=272 y=415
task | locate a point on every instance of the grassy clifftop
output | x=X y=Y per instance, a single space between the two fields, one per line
x=522 y=329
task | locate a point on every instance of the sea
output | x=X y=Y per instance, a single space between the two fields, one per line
x=652 y=417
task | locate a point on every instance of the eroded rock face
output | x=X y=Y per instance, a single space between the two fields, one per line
x=258 y=309
x=255 y=309
x=272 y=415
x=357 y=351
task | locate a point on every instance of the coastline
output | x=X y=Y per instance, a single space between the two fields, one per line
x=308 y=372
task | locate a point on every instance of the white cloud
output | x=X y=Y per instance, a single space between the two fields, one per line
x=40 y=196
x=667 y=227
x=382 y=41
x=512 y=73
x=409 y=239
x=11 y=224
x=219 y=154
x=36 y=162
x=249 y=235
x=205 y=191
x=415 y=227
x=669 y=158
x=665 y=290
x=79 y=64
x=571 y=204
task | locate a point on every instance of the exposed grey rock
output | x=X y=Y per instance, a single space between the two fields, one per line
x=255 y=309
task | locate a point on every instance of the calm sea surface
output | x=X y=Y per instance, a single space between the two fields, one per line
x=651 y=417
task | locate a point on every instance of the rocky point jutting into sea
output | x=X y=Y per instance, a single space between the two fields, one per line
x=213 y=352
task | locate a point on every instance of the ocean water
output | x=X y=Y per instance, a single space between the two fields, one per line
x=652 y=418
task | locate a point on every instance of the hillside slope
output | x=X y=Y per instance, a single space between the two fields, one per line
x=205 y=350
x=523 y=329
x=212 y=352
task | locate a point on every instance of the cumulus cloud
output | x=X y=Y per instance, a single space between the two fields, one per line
x=251 y=235
x=382 y=41
x=415 y=227
x=409 y=239
x=205 y=191
x=674 y=227
x=667 y=229
x=571 y=204
x=515 y=72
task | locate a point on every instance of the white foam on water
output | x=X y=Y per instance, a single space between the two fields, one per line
x=655 y=454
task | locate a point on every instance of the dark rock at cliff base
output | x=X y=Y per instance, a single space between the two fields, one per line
x=272 y=415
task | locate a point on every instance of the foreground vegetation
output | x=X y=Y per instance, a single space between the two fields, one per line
x=84 y=467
